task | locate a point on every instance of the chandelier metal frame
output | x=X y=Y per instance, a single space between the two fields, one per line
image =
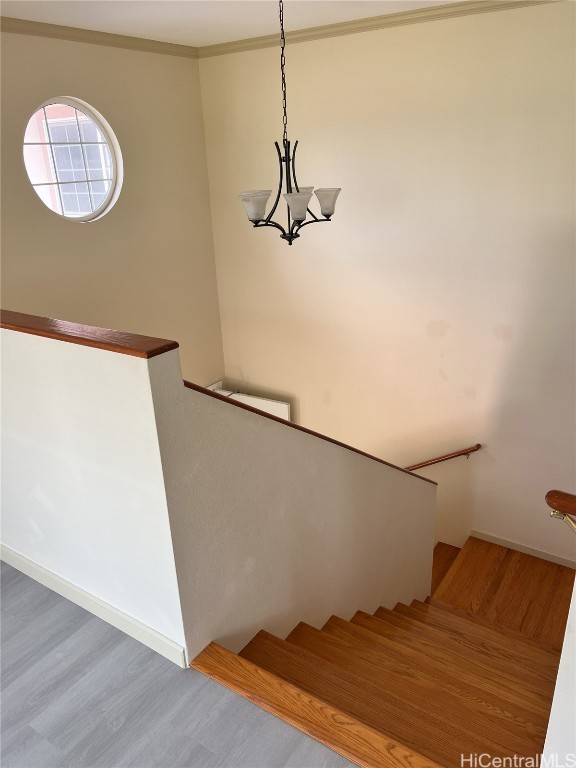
x=287 y=167
x=288 y=161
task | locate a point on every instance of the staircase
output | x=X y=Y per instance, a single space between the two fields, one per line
x=469 y=671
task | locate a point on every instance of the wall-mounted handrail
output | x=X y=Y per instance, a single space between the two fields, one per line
x=563 y=506
x=464 y=452
x=225 y=399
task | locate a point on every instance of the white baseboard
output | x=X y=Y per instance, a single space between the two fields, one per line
x=523 y=548
x=130 y=626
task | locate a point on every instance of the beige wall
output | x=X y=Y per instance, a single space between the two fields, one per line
x=147 y=266
x=437 y=310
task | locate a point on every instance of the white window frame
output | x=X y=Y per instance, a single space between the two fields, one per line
x=115 y=155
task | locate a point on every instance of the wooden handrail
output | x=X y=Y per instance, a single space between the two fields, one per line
x=562 y=502
x=464 y=452
x=86 y=335
x=223 y=398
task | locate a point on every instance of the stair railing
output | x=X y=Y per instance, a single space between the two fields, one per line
x=463 y=452
x=563 y=506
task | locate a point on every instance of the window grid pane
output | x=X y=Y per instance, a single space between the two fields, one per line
x=76 y=151
x=50 y=196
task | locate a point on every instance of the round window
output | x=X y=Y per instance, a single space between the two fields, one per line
x=73 y=159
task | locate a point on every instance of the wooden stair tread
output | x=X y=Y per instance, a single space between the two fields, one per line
x=421 y=690
x=531 y=596
x=511 y=589
x=445 y=668
x=529 y=674
x=436 y=738
x=483 y=637
x=444 y=556
x=323 y=722
x=524 y=640
x=541 y=678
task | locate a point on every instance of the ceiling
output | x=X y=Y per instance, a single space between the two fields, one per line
x=202 y=22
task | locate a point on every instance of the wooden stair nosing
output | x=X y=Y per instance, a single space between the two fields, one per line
x=323 y=722
x=420 y=690
x=434 y=737
x=529 y=675
x=503 y=646
x=449 y=669
x=533 y=700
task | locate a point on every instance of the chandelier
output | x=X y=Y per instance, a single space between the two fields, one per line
x=297 y=198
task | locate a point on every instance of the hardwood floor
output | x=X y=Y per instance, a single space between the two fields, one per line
x=78 y=692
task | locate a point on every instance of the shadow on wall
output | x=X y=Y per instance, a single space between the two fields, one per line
x=527 y=427
x=531 y=428
x=455 y=480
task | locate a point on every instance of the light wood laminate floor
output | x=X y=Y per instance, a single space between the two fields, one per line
x=78 y=692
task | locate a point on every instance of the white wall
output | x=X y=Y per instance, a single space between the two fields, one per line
x=82 y=484
x=272 y=526
x=437 y=309
x=560 y=746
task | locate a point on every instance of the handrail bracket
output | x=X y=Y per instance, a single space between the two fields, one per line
x=561 y=516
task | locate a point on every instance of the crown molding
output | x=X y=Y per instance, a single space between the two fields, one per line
x=466 y=8
x=77 y=35
x=437 y=13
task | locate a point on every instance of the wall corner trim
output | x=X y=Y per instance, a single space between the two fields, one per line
x=122 y=621
x=370 y=24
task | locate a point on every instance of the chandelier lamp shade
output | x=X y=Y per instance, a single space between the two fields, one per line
x=297 y=198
